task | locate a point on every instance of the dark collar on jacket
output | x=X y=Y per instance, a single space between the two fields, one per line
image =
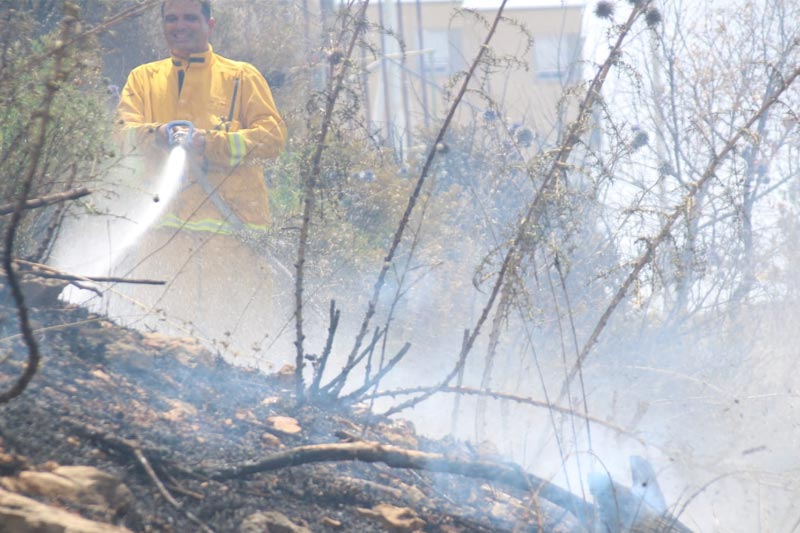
x=195 y=60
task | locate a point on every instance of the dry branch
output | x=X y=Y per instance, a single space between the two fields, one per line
x=372 y=452
x=666 y=229
x=140 y=8
x=49 y=199
x=510 y=397
x=38 y=133
x=357 y=394
x=533 y=215
x=414 y=198
x=337 y=84
x=46 y=271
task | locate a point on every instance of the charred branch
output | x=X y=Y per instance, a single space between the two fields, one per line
x=372 y=452
x=358 y=394
x=336 y=385
x=164 y=492
x=333 y=324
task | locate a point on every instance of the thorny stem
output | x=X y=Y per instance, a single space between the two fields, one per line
x=412 y=200
x=308 y=200
x=666 y=229
x=466 y=347
x=39 y=122
x=559 y=163
x=457 y=399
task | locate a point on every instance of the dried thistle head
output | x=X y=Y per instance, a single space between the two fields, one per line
x=653 y=17
x=640 y=139
x=604 y=9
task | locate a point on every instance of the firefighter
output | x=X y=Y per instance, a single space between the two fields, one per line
x=218 y=286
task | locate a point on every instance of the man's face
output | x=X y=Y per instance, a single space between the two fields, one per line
x=185 y=28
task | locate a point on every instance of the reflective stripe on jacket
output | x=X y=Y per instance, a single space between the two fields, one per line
x=206 y=90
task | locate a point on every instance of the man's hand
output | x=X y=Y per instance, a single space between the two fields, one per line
x=196 y=144
x=162 y=138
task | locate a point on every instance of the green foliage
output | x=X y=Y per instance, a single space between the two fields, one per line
x=77 y=125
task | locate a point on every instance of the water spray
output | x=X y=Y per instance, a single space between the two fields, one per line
x=132 y=218
x=179 y=134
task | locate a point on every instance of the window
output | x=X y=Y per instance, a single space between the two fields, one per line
x=446 y=57
x=557 y=57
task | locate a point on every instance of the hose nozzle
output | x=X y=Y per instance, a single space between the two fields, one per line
x=179 y=132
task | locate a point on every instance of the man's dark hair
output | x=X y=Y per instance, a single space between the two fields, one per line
x=205 y=7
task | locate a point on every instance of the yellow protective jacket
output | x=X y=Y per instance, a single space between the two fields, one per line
x=229 y=99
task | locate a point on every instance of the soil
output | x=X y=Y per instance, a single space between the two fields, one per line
x=106 y=396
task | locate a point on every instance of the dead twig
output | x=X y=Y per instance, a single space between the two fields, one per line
x=46 y=271
x=396 y=457
x=131 y=448
x=71 y=40
x=137 y=452
x=43 y=201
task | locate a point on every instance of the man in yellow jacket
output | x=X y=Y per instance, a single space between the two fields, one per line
x=218 y=287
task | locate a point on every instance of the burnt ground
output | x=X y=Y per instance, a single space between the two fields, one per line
x=106 y=396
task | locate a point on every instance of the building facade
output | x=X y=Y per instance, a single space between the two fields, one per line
x=413 y=67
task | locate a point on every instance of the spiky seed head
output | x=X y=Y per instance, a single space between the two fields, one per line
x=524 y=137
x=604 y=9
x=641 y=138
x=653 y=17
